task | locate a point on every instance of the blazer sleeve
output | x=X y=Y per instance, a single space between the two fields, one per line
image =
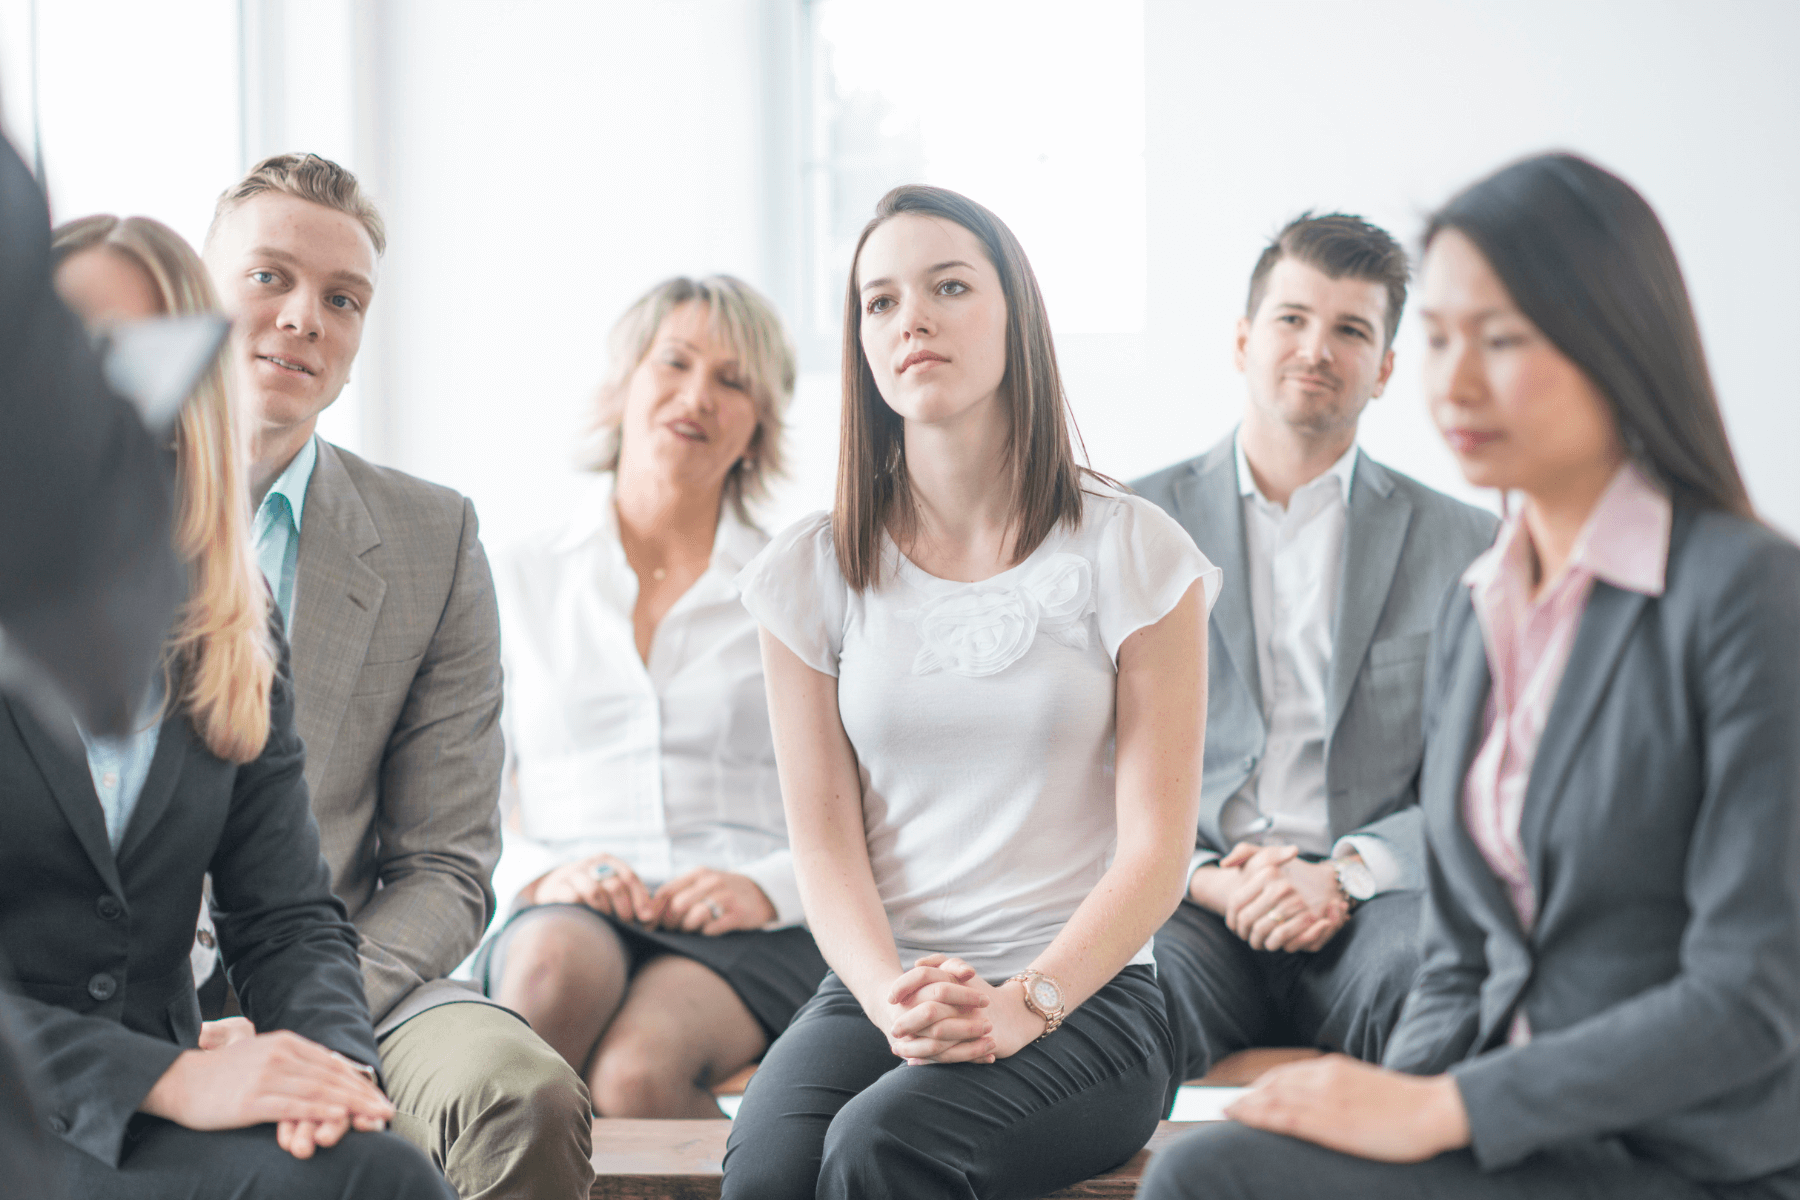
x=439 y=820
x=288 y=945
x=91 y=1072
x=1728 y=1014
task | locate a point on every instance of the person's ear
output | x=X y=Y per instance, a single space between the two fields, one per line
x=1240 y=343
x=1387 y=371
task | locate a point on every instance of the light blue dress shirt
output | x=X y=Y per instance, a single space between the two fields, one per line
x=120 y=766
x=277 y=528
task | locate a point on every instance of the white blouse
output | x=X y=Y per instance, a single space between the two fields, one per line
x=982 y=716
x=667 y=765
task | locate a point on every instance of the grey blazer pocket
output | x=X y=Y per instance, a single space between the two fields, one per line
x=1408 y=647
x=379 y=678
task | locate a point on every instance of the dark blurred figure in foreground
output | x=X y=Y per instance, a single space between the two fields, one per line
x=88 y=581
x=88 y=577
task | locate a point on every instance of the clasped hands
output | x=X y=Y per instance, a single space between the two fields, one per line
x=240 y=1078
x=1273 y=899
x=698 y=901
x=941 y=1011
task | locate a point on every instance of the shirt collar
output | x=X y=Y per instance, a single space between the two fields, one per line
x=1624 y=542
x=1343 y=470
x=595 y=519
x=290 y=485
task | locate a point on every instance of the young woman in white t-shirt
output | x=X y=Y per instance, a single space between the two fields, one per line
x=986 y=672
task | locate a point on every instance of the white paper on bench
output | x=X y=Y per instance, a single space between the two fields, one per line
x=1191 y=1103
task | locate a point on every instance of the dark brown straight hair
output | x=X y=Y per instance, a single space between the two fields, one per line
x=1585 y=259
x=874 y=494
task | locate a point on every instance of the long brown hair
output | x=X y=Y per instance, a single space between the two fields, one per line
x=1585 y=259
x=220 y=649
x=874 y=493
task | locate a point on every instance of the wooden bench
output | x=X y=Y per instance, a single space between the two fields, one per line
x=680 y=1160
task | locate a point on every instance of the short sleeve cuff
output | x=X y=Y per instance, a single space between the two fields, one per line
x=795 y=591
x=1147 y=563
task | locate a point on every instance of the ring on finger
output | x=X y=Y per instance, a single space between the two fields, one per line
x=712 y=906
x=602 y=871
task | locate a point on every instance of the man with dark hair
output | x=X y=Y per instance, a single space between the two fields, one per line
x=1300 y=925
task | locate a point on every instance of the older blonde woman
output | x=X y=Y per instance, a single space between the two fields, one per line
x=664 y=951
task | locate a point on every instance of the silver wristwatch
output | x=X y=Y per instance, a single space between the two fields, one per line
x=1354 y=879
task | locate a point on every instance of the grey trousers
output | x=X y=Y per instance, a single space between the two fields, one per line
x=496 y=1109
x=833 y=1115
x=1223 y=997
x=1228 y=1161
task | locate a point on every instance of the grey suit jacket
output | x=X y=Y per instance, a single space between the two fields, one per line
x=1405 y=544
x=396 y=644
x=1661 y=976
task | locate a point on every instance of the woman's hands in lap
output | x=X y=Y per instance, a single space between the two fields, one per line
x=619 y=893
x=698 y=901
x=686 y=903
x=941 y=1011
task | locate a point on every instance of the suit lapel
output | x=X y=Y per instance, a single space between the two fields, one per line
x=1209 y=507
x=337 y=598
x=1374 y=536
x=1605 y=629
x=159 y=783
x=67 y=775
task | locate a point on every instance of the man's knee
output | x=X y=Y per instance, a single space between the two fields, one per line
x=478 y=1074
x=1215 y=1162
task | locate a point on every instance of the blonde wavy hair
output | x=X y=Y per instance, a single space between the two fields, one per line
x=221 y=648
x=746 y=321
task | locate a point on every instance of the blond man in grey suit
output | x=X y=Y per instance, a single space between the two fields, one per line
x=390 y=610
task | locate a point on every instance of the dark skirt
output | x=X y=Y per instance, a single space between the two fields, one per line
x=773 y=971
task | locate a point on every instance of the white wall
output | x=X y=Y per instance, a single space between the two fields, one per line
x=543 y=165
x=1386 y=107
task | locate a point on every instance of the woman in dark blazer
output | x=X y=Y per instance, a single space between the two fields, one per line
x=1610 y=999
x=105 y=843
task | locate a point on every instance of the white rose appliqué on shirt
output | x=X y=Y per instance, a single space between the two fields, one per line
x=986 y=627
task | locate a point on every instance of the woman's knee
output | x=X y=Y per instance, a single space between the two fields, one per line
x=373 y=1164
x=552 y=953
x=636 y=1076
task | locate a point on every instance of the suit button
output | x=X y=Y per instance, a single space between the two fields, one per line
x=102 y=986
x=109 y=908
x=57 y=1125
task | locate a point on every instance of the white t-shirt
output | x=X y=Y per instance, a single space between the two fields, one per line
x=982 y=716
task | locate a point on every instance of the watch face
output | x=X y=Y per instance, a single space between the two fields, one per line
x=1045 y=994
x=1358 y=880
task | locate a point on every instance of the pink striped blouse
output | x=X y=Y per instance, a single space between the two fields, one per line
x=1626 y=543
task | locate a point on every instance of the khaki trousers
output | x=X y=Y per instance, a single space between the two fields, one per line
x=498 y=1111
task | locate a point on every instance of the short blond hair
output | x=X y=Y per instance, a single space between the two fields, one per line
x=746 y=321
x=306 y=177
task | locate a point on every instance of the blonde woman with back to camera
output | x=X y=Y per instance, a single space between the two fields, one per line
x=662 y=950
x=108 y=839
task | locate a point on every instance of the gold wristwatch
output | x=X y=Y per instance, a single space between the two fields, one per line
x=1043 y=996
